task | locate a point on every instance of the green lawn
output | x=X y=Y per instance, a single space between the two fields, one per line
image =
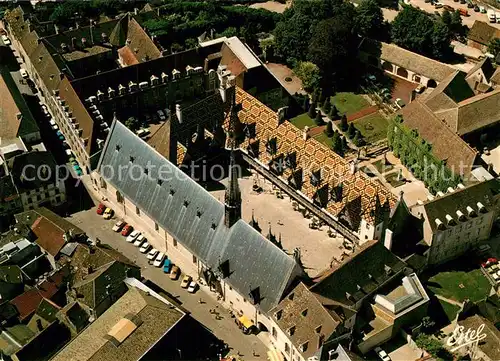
x=302 y=120
x=322 y=138
x=349 y=103
x=449 y=309
x=474 y=284
x=381 y=167
x=373 y=127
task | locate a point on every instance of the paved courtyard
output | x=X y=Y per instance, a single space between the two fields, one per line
x=96 y=227
x=316 y=247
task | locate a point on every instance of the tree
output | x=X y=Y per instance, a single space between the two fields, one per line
x=312 y=110
x=327 y=105
x=334 y=112
x=345 y=146
x=132 y=123
x=441 y=39
x=358 y=139
x=456 y=27
x=412 y=29
x=309 y=74
x=337 y=144
x=305 y=104
x=322 y=96
x=446 y=17
x=292 y=36
x=494 y=47
x=343 y=123
x=370 y=20
x=319 y=119
x=351 y=131
x=329 y=129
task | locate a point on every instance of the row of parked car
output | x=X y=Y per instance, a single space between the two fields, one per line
x=154 y=256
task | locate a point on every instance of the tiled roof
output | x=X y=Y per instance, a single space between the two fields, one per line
x=50 y=237
x=53 y=283
x=128 y=56
x=140 y=43
x=311 y=156
x=449 y=92
x=47 y=310
x=27 y=303
x=479 y=111
x=486 y=66
x=301 y=310
x=490 y=343
x=359 y=275
x=152 y=317
x=483 y=33
x=9 y=122
x=495 y=78
x=446 y=145
x=29 y=217
x=34 y=177
x=234 y=65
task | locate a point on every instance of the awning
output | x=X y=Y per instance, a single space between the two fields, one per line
x=245 y=321
x=274 y=355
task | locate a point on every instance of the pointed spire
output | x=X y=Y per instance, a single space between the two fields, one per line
x=253 y=222
x=232 y=199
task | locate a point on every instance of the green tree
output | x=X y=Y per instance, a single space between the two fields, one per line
x=358 y=139
x=337 y=144
x=312 y=110
x=319 y=119
x=292 y=36
x=494 y=47
x=345 y=146
x=327 y=105
x=343 y=124
x=370 y=20
x=305 y=104
x=412 y=29
x=334 y=113
x=351 y=131
x=329 y=129
x=456 y=27
x=446 y=17
x=309 y=74
x=132 y=123
x=441 y=39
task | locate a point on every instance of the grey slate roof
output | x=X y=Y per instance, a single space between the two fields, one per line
x=195 y=218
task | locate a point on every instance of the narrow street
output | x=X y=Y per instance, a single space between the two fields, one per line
x=250 y=347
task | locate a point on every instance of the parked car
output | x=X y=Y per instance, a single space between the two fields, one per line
x=45 y=110
x=476 y=8
x=100 y=209
x=186 y=281
x=133 y=236
x=193 y=287
x=144 y=132
x=54 y=126
x=152 y=254
x=399 y=103
x=438 y=5
x=140 y=240
x=118 y=226
x=482 y=9
x=161 y=114
x=78 y=171
x=160 y=257
x=145 y=247
x=167 y=266
x=127 y=229
x=382 y=354
x=24 y=73
x=175 y=272
x=5 y=40
x=108 y=213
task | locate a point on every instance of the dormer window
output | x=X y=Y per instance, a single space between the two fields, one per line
x=290 y=296
x=316 y=178
x=318 y=329
x=304 y=313
x=304 y=346
x=278 y=314
x=291 y=331
x=272 y=146
x=471 y=212
x=290 y=160
x=461 y=216
x=481 y=208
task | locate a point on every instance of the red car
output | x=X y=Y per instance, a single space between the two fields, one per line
x=127 y=230
x=100 y=209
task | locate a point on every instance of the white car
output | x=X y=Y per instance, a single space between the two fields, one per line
x=133 y=236
x=160 y=257
x=145 y=247
x=140 y=240
x=152 y=254
x=53 y=124
x=5 y=40
x=24 y=73
x=161 y=114
x=118 y=226
x=144 y=132
x=382 y=354
x=193 y=286
x=45 y=110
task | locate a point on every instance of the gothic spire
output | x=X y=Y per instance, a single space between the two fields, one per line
x=232 y=199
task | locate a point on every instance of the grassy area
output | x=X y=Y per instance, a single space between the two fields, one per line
x=303 y=120
x=349 y=103
x=392 y=178
x=459 y=285
x=322 y=138
x=373 y=127
x=381 y=167
x=449 y=309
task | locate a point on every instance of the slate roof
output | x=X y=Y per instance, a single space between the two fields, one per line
x=47 y=310
x=291 y=314
x=76 y=315
x=484 y=192
x=482 y=32
x=42 y=173
x=141 y=44
x=359 y=194
x=365 y=268
x=153 y=318
x=195 y=218
x=446 y=145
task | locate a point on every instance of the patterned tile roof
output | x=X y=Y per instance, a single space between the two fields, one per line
x=311 y=157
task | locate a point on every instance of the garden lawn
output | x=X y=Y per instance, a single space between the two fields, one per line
x=349 y=103
x=381 y=167
x=373 y=127
x=392 y=178
x=303 y=120
x=447 y=284
x=322 y=138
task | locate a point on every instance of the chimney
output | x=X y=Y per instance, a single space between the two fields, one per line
x=164 y=77
x=470 y=211
x=73 y=41
x=282 y=113
x=449 y=220
x=430 y=197
x=305 y=135
x=136 y=11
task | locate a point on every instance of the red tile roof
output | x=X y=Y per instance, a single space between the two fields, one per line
x=127 y=56
x=49 y=235
x=27 y=303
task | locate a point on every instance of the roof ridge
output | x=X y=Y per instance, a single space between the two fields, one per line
x=477 y=97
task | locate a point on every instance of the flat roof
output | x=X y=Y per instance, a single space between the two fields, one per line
x=241 y=51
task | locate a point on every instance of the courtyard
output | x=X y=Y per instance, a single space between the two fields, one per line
x=372 y=127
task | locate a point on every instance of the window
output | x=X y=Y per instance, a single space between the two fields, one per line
x=275 y=333
x=304 y=313
x=137 y=211
x=318 y=329
x=194 y=259
x=304 y=346
x=174 y=241
x=290 y=297
x=157 y=228
x=278 y=314
x=291 y=331
x=287 y=348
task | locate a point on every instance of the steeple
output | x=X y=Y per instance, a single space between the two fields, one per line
x=232 y=199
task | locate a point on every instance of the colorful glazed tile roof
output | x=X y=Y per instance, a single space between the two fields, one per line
x=311 y=157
